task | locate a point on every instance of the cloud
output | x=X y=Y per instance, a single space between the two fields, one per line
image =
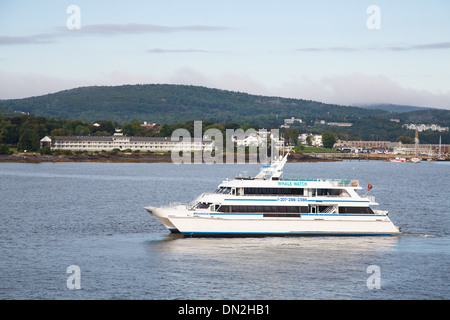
x=33 y=39
x=137 y=28
x=226 y=81
x=117 y=78
x=357 y=89
x=331 y=49
x=111 y=29
x=350 y=89
x=23 y=85
x=431 y=46
x=159 y=50
x=427 y=46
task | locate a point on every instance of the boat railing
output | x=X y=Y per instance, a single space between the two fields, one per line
x=371 y=198
x=334 y=182
x=303 y=179
x=176 y=204
x=192 y=203
x=344 y=182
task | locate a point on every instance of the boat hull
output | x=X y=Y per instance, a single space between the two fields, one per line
x=212 y=226
x=161 y=214
x=307 y=224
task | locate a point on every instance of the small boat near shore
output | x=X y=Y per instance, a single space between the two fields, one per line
x=397 y=159
x=416 y=158
x=440 y=157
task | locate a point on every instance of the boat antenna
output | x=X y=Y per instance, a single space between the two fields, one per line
x=369 y=187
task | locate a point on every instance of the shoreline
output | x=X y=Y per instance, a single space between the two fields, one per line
x=124 y=157
x=166 y=157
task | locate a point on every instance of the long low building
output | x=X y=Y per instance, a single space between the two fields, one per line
x=393 y=147
x=365 y=144
x=121 y=142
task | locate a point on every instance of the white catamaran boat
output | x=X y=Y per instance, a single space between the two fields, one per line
x=269 y=205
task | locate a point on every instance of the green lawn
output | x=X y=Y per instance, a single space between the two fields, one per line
x=315 y=150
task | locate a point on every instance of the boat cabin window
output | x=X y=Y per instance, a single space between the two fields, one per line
x=261 y=209
x=329 y=193
x=202 y=205
x=320 y=209
x=224 y=190
x=273 y=191
x=360 y=210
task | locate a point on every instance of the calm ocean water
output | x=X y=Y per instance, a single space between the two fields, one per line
x=54 y=215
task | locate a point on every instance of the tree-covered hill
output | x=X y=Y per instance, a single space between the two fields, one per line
x=163 y=103
x=177 y=103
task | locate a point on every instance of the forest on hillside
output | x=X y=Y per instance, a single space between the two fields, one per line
x=161 y=103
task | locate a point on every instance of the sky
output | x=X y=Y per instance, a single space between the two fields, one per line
x=348 y=52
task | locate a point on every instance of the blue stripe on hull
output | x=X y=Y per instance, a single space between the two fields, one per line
x=250 y=199
x=334 y=201
x=284 y=233
x=309 y=200
x=303 y=214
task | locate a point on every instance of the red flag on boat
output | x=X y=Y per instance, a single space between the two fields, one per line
x=369 y=186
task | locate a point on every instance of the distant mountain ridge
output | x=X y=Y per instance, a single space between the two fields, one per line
x=165 y=103
x=397 y=108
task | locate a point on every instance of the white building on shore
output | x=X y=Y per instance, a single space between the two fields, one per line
x=248 y=139
x=316 y=139
x=425 y=127
x=121 y=142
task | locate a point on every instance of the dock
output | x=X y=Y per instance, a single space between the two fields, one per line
x=362 y=156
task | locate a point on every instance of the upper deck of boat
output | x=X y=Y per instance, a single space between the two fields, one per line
x=292 y=183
